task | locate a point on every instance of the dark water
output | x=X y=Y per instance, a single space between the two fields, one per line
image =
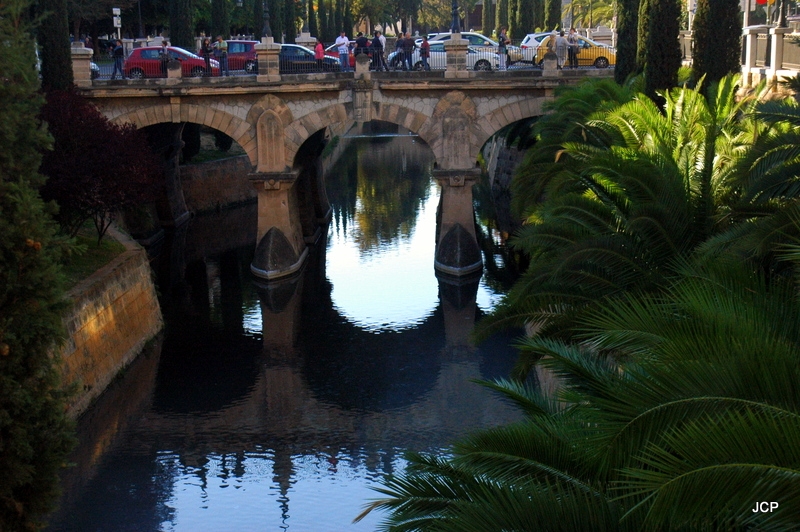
x=278 y=407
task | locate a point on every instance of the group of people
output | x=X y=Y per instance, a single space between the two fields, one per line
x=362 y=45
x=219 y=50
x=566 y=47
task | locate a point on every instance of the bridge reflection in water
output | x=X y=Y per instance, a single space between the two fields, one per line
x=275 y=406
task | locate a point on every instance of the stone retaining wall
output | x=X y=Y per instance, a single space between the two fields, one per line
x=217 y=184
x=115 y=314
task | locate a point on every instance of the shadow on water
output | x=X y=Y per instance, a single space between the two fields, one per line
x=276 y=407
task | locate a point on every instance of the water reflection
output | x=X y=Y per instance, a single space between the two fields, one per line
x=277 y=407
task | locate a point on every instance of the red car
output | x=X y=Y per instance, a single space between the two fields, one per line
x=146 y=62
x=242 y=56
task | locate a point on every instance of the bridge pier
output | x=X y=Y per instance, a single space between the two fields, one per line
x=457 y=251
x=280 y=246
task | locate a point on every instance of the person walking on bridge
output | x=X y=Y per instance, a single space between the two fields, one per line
x=221 y=51
x=119 y=57
x=408 y=51
x=378 y=62
x=343 y=47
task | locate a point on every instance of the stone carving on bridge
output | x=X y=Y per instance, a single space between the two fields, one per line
x=362 y=100
x=271 y=152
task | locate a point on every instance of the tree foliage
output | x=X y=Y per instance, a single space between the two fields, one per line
x=54 y=47
x=627 y=31
x=35 y=435
x=662 y=54
x=552 y=14
x=95 y=168
x=716 y=39
x=662 y=297
x=220 y=19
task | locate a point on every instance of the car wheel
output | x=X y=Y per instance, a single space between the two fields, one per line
x=541 y=64
x=136 y=73
x=251 y=67
x=601 y=62
x=418 y=67
x=483 y=64
x=198 y=72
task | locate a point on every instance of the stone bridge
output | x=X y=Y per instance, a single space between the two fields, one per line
x=283 y=124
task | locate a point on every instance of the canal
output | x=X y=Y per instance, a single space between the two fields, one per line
x=278 y=407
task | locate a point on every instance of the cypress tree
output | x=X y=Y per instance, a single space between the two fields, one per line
x=313 y=28
x=627 y=30
x=290 y=20
x=258 y=18
x=35 y=434
x=276 y=19
x=538 y=14
x=220 y=19
x=552 y=14
x=502 y=14
x=53 y=38
x=513 y=7
x=338 y=17
x=525 y=22
x=642 y=33
x=487 y=17
x=716 y=39
x=348 y=18
x=324 y=29
x=663 y=51
x=181 y=23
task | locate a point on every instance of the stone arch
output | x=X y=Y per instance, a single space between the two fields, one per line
x=239 y=130
x=303 y=128
x=499 y=118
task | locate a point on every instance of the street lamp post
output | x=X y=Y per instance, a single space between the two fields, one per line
x=266 y=31
x=456 y=27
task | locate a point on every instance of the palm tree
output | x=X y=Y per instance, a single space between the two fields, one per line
x=677 y=411
x=628 y=191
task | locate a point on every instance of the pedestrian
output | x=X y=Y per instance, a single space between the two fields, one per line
x=399 y=55
x=502 y=50
x=425 y=53
x=319 y=55
x=206 y=51
x=163 y=55
x=119 y=57
x=378 y=63
x=362 y=44
x=572 y=39
x=561 y=49
x=343 y=47
x=221 y=53
x=408 y=50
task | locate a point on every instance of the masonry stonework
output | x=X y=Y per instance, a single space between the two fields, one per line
x=115 y=314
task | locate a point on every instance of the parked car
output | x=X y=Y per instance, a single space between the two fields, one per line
x=333 y=51
x=95 y=70
x=477 y=58
x=530 y=44
x=145 y=62
x=480 y=42
x=590 y=53
x=242 y=56
x=296 y=59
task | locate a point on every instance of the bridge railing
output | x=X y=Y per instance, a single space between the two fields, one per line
x=769 y=53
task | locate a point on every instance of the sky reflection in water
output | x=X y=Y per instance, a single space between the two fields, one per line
x=235 y=429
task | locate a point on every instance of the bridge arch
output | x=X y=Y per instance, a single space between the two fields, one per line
x=238 y=129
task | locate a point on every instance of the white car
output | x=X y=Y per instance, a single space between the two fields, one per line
x=482 y=42
x=477 y=59
x=530 y=44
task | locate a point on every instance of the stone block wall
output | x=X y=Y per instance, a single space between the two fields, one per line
x=115 y=314
x=217 y=184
